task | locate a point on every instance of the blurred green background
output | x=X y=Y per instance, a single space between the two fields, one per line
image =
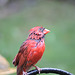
x=16 y=18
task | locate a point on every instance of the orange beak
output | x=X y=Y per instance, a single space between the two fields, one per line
x=46 y=31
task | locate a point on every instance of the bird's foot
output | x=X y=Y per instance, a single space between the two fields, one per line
x=25 y=73
x=39 y=69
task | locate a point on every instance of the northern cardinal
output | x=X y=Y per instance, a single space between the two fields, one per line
x=31 y=50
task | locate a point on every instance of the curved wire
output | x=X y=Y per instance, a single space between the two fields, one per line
x=49 y=70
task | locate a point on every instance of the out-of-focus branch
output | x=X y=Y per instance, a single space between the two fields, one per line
x=49 y=70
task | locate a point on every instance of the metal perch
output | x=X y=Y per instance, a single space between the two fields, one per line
x=49 y=70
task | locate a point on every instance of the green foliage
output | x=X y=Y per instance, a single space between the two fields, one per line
x=60 y=43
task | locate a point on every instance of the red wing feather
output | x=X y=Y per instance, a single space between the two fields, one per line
x=18 y=56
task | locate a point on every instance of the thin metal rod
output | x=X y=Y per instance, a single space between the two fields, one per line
x=49 y=70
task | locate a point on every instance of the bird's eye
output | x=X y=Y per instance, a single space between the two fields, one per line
x=41 y=29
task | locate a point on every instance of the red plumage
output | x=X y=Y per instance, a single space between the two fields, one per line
x=31 y=50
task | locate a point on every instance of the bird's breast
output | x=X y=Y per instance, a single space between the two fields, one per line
x=37 y=51
x=41 y=46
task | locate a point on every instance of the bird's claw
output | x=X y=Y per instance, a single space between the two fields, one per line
x=39 y=69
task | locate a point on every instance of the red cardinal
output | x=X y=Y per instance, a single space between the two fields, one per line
x=31 y=50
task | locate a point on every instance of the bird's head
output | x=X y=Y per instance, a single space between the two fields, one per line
x=38 y=32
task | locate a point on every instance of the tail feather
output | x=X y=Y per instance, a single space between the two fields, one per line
x=19 y=71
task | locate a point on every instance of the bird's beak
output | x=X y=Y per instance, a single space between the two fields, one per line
x=46 y=31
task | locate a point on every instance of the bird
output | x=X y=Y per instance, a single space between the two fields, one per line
x=31 y=51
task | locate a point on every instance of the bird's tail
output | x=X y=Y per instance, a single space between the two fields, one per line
x=19 y=71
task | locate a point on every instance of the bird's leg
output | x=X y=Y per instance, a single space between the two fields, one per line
x=39 y=69
x=25 y=73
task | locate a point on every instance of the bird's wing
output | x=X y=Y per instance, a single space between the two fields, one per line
x=21 y=52
x=25 y=49
x=22 y=57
